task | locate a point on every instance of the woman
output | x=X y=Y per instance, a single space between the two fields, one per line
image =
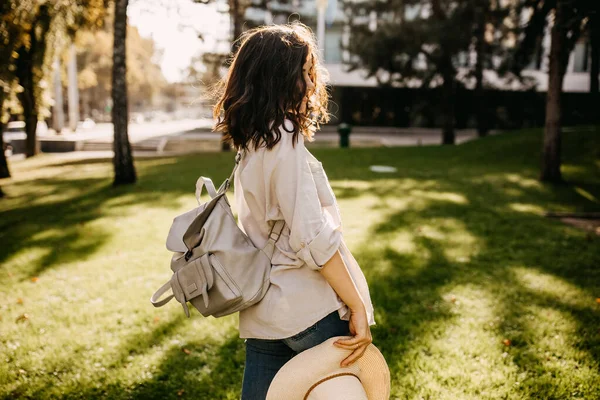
x=272 y=100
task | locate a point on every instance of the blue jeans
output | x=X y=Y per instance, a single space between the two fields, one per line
x=265 y=357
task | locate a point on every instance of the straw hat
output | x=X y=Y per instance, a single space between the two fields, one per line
x=315 y=374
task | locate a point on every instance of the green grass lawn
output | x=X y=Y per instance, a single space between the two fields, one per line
x=476 y=294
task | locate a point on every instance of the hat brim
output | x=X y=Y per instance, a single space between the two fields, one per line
x=303 y=372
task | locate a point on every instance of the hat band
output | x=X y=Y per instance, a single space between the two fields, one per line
x=328 y=378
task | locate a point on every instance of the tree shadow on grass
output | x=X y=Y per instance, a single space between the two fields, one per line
x=406 y=290
x=163 y=180
x=51 y=219
x=58 y=232
x=217 y=374
x=544 y=365
x=139 y=343
x=406 y=286
x=56 y=229
x=210 y=367
x=207 y=369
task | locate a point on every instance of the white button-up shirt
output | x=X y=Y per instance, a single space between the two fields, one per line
x=288 y=183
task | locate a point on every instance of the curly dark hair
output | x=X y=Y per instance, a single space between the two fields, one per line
x=265 y=85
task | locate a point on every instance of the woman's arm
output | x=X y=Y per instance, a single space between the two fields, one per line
x=314 y=237
x=336 y=273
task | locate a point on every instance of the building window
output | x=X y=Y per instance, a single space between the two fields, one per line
x=581 y=56
x=333 y=51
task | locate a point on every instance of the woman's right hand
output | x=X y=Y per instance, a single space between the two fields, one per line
x=359 y=328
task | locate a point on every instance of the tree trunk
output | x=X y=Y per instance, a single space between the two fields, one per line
x=29 y=104
x=595 y=43
x=237 y=17
x=27 y=96
x=4 y=171
x=123 y=159
x=448 y=106
x=550 y=171
x=482 y=122
x=30 y=60
x=237 y=11
x=446 y=69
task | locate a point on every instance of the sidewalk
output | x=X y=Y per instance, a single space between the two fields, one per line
x=101 y=136
x=188 y=136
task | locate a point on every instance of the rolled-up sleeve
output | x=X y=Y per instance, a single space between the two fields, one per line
x=313 y=235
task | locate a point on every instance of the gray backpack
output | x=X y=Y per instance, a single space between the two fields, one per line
x=215 y=265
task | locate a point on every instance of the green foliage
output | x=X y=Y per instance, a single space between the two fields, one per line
x=47 y=25
x=576 y=23
x=419 y=42
x=476 y=294
x=94 y=57
x=15 y=23
x=430 y=43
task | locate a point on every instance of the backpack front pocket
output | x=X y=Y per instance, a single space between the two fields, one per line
x=225 y=287
x=206 y=284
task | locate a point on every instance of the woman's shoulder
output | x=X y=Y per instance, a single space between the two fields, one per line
x=288 y=142
x=287 y=131
x=299 y=145
x=289 y=151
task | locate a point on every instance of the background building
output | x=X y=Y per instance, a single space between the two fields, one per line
x=335 y=32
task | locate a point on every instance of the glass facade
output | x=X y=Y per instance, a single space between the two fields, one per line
x=581 y=54
x=333 y=51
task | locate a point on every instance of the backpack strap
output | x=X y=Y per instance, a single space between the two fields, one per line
x=210 y=187
x=274 y=236
x=225 y=185
x=162 y=290
x=277 y=227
